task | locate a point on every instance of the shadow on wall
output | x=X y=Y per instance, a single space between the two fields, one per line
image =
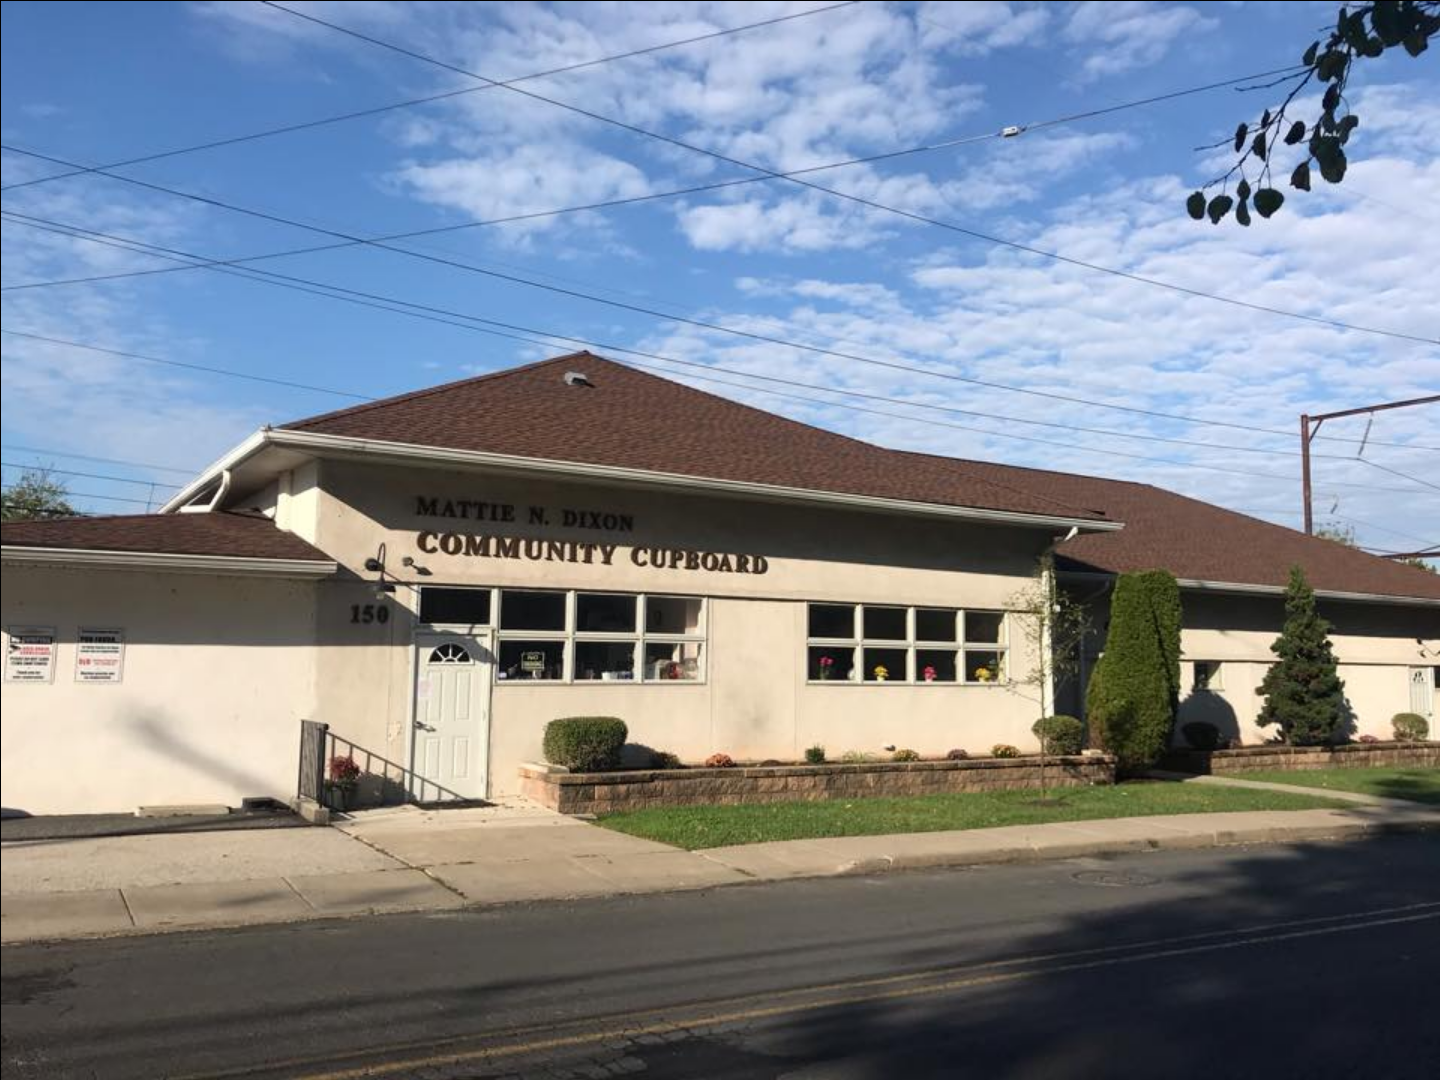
x=1207 y=707
x=159 y=733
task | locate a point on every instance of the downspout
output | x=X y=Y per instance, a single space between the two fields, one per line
x=221 y=491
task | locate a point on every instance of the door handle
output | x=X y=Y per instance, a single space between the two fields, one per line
x=420 y=725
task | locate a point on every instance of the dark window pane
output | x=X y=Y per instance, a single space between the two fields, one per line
x=470 y=606
x=608 y=660
x=941 y=662
x=605 y=612
x=889 y=661
x=984 y=666
x=832 y=620
x=672 y=614
x=983 y=626
x=885 y=623
x=669 y=660
x=828 y=663
x=533 y=660
x=935 y=624
x=532 y=610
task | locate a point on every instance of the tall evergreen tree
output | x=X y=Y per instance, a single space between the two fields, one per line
x=1131 y=700
x=1304 y=694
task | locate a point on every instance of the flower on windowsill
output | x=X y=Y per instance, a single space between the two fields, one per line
x=983 y=674
x=826 y=663
x=928 y=674
x=881 y=673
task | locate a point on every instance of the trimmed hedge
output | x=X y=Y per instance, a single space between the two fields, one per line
x=1134 y=691
x=1410 y=727
x=585 y=743
x=1059 y=734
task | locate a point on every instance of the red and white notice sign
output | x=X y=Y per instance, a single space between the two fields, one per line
x=99 y=655
x=30 y=654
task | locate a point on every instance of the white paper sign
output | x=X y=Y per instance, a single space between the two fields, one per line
x=99 y=655
x=30 y=654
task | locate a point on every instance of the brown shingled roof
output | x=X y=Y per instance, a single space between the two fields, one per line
x=631 y=419
x=1196 y=541
x=248 y=536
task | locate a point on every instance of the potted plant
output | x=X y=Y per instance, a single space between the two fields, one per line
x=881 y=673
x=827 y=664
x=928 y=673
x=343 y=780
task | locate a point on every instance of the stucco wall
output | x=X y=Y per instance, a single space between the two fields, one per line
x=754 y=703
x=217 y=675
x=1377 y=644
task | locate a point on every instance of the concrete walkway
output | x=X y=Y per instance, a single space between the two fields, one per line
x=1287 y=789
x=408 y=859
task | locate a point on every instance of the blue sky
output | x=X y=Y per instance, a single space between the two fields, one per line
x=96 y=83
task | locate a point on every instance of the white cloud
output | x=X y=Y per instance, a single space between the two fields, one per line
x=1112 y=38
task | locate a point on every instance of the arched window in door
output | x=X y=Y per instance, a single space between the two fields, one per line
x=449 y=653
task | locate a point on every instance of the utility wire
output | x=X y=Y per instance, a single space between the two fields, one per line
x=85 y=475
x=102 y=460
x=360 y=114
x=859 y=200
x=637 y=308
x=1396 y=472
x=317 y=287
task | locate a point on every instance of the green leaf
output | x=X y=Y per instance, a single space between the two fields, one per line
x=1296 y=133
x=1240 y=133
x=1242 y=190
x=1219 y=207
x=1258 y=146
x=1242 y=213
x=1309 y=58
x=1331 y=98
x=1332 y=65
x=1372 y=48
x=1267 y=201
x=1346 y=126
x=1416 y=43
x=1195 y=205
x=1265 y=119
x=1300 y=178
x=1386 y=20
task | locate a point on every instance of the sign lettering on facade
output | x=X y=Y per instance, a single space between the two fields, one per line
x=572 y=551
x=30 y=654
x=564 y=517
x=99 y=655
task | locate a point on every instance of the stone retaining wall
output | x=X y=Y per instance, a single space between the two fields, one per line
x=601 y=793
x=1305 y=758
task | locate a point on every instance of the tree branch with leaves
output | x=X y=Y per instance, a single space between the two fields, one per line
x=1367 y=32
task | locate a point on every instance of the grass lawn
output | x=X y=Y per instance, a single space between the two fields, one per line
x=716 y=826
x=1421 y=785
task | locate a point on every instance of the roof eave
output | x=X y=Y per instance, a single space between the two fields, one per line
x=377 y=449
x=247 y=565
x=1247 y=588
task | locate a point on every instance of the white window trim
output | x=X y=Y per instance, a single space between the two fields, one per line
x=910 y=646
x=1217 y=677
x=570 y=637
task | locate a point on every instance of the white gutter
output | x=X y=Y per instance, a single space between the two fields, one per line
x=1245 y=588
x=154 y=560
x=341 y=445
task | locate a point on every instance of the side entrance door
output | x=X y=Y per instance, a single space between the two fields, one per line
x=450 y=748
x=1422 y=693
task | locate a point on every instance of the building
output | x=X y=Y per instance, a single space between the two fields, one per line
x=439 y=574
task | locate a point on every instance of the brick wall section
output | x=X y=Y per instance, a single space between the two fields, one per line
x=603 y=793
x=1305 y=758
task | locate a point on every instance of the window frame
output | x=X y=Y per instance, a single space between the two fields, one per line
x=912 y=645
x=1214 y=683
x=570 y=636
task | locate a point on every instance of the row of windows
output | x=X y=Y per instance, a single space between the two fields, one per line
x=883 y=643
x=553 y=636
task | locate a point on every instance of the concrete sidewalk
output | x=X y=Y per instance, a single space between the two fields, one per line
x=413 y=860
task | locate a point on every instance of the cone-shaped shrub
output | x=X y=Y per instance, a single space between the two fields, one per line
x=1304 y=695
x=1130 y=702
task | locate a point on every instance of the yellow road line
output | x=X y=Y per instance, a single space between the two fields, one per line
x=739 y=1016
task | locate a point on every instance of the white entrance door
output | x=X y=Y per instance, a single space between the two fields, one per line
x=451 y=743
x=1422 y=691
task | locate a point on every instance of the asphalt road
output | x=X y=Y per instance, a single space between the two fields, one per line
x=1276 y=962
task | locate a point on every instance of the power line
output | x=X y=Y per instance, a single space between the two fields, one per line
x=641 y=309
x=102 y=460
x=103 y=498
x=86 y=475
x=311 y=286
x=360 y=114
x=859 y=200
x=1393 y=472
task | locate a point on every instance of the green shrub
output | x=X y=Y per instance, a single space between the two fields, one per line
x=1410 y=727
x=1201 y=735
x=1004 y=750
x=957 y=755
x=1059 y=734
x=1133 y=692
x=856 y=757
x=665 y=760
x=585 y=743
x=815 y=755
x=905 y=755
x=1304 y=694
